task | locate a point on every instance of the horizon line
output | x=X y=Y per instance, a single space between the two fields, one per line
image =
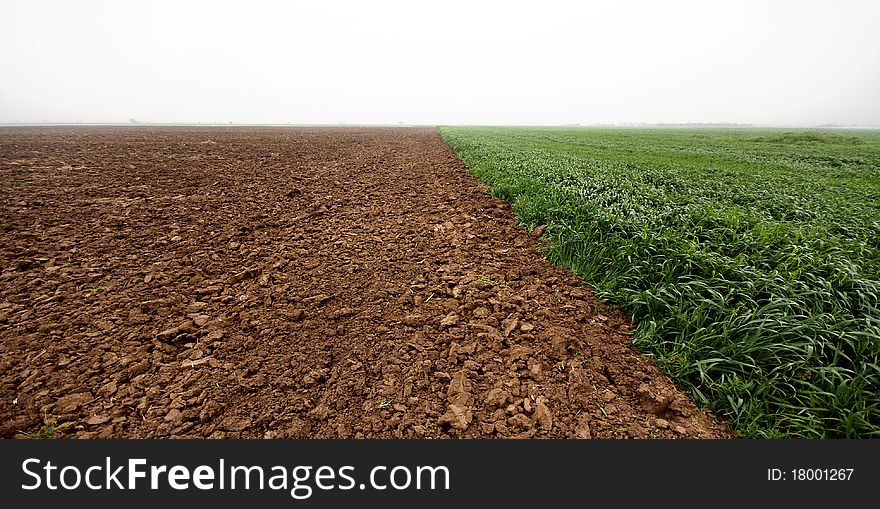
x=404 y=124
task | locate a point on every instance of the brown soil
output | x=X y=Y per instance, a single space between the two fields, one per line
x=291 y=283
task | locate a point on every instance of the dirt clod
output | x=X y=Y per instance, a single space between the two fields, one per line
x=543 y=414
x=72 y=402
x=497 y=398
x=97 y=420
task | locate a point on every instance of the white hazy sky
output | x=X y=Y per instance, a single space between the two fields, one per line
x=441 y=62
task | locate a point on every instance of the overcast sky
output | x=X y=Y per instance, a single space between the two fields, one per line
x=441 y=62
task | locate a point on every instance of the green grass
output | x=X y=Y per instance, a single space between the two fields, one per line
x=749 y=259
x=44 y=433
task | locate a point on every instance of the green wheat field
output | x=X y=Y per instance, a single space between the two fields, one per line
x=749 y=258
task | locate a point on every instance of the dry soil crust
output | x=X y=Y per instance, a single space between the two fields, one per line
x=295 y=282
